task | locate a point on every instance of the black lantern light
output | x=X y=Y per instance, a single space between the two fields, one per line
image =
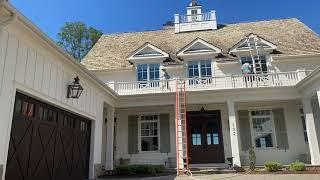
x=75 y=89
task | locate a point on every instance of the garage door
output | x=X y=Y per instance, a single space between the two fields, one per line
x=47 y=143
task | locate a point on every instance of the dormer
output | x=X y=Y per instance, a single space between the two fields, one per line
x=147 y=53
x=253 y=43
x=199 y=48
x=195 y=19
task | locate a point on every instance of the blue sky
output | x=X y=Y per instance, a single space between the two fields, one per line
x=138 y=15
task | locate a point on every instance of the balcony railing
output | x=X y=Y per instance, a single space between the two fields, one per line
x=209 y=83
x=196 y=18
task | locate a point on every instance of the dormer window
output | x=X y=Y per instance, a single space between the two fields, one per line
x=148 y=72
x=199 y=69
x=258 y=65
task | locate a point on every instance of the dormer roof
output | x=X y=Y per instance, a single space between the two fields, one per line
x=194 y=4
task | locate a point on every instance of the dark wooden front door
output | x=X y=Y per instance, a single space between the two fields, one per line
x=47 y=143
x=205 y=137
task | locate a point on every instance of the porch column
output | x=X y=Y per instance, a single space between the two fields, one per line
x=110 y=138
x=311 y=131
x=234 y=134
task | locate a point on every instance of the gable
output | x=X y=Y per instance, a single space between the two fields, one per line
x=147 y=51
x=252 y=41
x=199 y=46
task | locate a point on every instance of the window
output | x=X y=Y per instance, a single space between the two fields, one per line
x=259 y=65
x=148 y=72
x=262 y=128
x=200 y=68
x=303 y=119
x=213 y=138
x=149 y=133
x=196 y=137
x=194 y=12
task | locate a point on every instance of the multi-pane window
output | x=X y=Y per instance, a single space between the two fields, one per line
x=196 y=137
x=148 y=72
x=259 y=65
x=200 y=68
x=303 y=120
x=213 y=138
x=149 y=133
x=262 y=128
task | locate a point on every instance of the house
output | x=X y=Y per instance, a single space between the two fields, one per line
x=227 y=113
x=65 y=120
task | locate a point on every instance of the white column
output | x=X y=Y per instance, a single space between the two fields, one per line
x=311 y=131
x=110 y=137
x=234 y=134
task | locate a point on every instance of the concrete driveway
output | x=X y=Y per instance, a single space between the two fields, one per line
x=231 y=177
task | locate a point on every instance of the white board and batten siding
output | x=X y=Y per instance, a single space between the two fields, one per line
x=31 y=66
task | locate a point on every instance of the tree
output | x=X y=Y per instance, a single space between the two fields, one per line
x=77 y=39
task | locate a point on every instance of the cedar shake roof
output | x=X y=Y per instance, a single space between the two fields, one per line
x=291 y=36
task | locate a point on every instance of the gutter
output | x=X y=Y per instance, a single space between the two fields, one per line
x=290 y=57
x=49 y=42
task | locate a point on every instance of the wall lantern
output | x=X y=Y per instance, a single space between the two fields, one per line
x=75 y=89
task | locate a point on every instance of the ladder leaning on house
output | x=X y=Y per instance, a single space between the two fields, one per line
x=181 y=129
x=256 y=49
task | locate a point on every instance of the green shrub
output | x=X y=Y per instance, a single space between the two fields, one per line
x=272 y=166
x=297 y=166
x=139 y=169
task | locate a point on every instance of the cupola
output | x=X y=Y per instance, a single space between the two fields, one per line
x=195 y=19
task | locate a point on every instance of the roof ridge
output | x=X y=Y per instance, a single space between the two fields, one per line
x=234 y=23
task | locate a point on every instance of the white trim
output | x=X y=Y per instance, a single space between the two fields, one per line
x=162 y=55
x=139 y=131
x=235 y=49
x=274 y=135
x=214 y=50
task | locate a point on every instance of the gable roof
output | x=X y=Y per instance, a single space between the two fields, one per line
x=147 y=50
x=198 y=46
x=243 y=44
x=290 y=35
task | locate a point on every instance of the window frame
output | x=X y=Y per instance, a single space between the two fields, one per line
x=266 y=57
x=253 y=134
x=199 y=68
x=148 y=71
x=139 y=132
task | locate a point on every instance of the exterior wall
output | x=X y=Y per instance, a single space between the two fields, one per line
x=122 y=136
x=29 y=65
x=297 y=145
x=219 y=69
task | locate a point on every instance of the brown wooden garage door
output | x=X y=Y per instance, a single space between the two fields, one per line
x=47 y=143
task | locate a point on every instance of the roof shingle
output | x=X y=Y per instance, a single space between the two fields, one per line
x=291 y=36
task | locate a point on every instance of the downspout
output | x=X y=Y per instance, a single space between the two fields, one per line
x=11 y=19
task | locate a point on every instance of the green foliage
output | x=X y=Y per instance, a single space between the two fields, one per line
x=252 y=159
x=297 y=166
x=77 y=39
x=272 y=166
x=139 y=169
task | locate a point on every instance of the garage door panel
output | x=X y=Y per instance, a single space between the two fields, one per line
x=47 y=143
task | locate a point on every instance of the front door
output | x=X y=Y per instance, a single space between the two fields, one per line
x=205 y=137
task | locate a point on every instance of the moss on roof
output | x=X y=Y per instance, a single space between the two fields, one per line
x=291 y=36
